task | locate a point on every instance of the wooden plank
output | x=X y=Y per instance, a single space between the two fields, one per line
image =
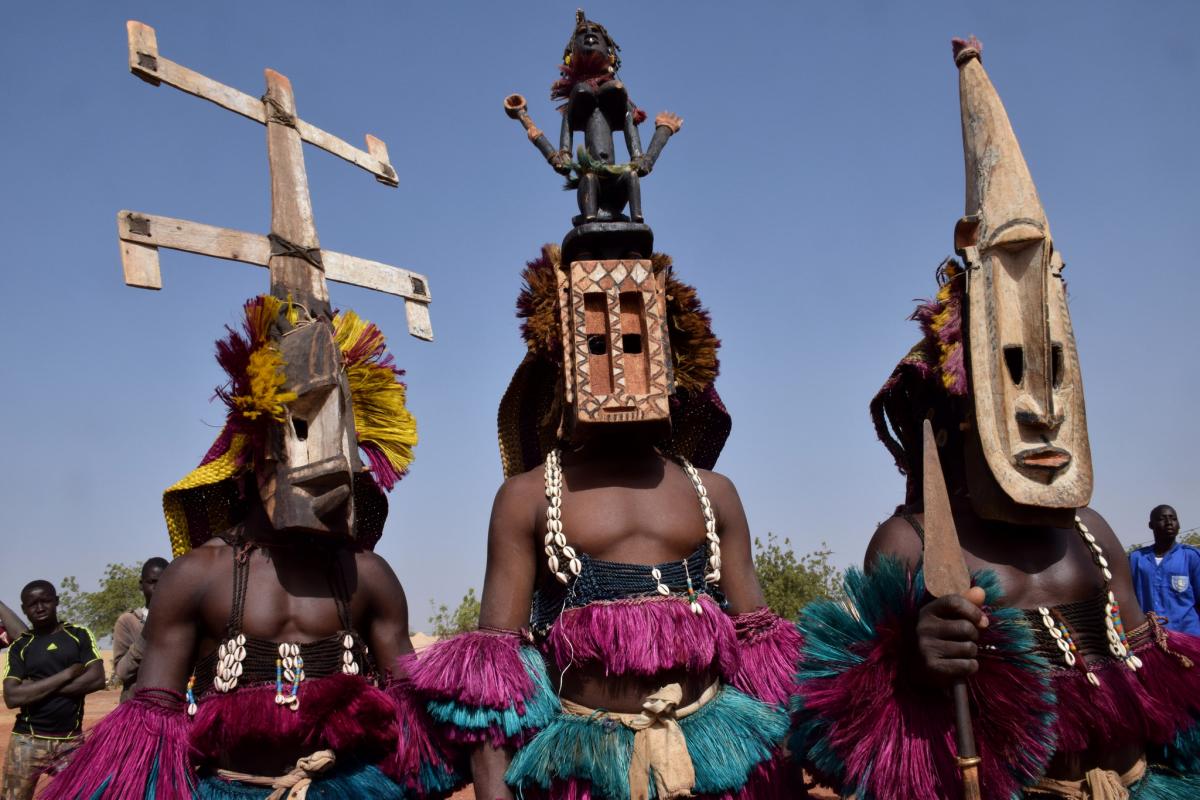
x=381 y=277
x=377 y=148
x=154 y=230
x=194 y=237
x=417 y=315
x=140 y=265
x=147 y=64
x=291 y=205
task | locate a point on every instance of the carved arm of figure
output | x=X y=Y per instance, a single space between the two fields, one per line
x=666 y=125
x=633 y=140
x=514 y=106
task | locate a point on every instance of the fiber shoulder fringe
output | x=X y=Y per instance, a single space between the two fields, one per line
x=861 y=726
x=140 y=750
x=421 y=763
x=768 y=656
x=486 y=686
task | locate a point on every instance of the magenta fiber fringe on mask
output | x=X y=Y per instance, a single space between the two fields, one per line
x=645 y=637
x=343 y=713
x=768 y=656
x=139 y=750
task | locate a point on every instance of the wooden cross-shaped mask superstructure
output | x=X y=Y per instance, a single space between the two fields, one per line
x=298 y=265
x=308 y=473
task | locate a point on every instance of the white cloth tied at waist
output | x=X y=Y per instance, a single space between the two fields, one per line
x=292 y=786
x=1097 y=784
x=659 y=748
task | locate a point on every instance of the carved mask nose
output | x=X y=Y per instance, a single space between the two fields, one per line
x=1031 y=414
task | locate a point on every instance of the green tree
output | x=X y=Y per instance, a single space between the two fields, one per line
x=790 y=582
x=119 y=591
x=464 y=618
x=1191 y=537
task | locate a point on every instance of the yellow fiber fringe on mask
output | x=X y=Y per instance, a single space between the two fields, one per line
x=266 y=379
x=381 y=416
x=941 y=319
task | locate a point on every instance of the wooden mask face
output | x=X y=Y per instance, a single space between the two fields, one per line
x=1029 y=412
x=616 y=353
x=306 y=480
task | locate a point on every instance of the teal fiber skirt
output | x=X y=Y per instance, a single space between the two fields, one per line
x=341 y=783
x=730 y=739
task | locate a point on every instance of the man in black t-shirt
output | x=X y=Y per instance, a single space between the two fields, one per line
x=50 y=669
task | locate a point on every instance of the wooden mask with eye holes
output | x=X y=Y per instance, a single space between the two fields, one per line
x=616 y=352
x=1029 y=417
x=306 y=479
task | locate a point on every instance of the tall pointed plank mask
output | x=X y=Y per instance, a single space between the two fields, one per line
x=1029 y=446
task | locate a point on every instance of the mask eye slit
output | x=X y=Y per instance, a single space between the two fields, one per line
x=1056 y=364
x=1014 y=359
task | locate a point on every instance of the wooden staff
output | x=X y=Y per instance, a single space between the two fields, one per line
x=945 y=574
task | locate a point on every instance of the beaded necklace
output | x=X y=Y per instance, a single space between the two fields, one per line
x=1118 y=642
x=565 y=564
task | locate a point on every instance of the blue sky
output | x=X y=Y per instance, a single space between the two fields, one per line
x=809 y=197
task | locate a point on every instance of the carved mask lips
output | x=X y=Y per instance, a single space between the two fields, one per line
x=314 y=497
x=1048 y=458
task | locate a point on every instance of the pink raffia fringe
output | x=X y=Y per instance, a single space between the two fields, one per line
x=869 y=729
x=343 y=713
x=140 y=749
x=645 y=637
x=420 y=752
x=480 y=668
x=1148 y=706
x=769 y=652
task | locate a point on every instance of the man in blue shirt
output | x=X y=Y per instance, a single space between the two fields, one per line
x=1166 y=574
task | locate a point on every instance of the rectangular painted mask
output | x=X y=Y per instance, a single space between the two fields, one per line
x=616 y=353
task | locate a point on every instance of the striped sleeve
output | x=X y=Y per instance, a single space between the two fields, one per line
x=89 y=653
x=14 y=665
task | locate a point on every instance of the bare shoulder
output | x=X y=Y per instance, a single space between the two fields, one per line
x=186 y=579
x=197 y=564
x=717 y=483
x=1096 y=525
x=894 y=538
x=374 y=568
x=517 y=503
x=523 y=486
